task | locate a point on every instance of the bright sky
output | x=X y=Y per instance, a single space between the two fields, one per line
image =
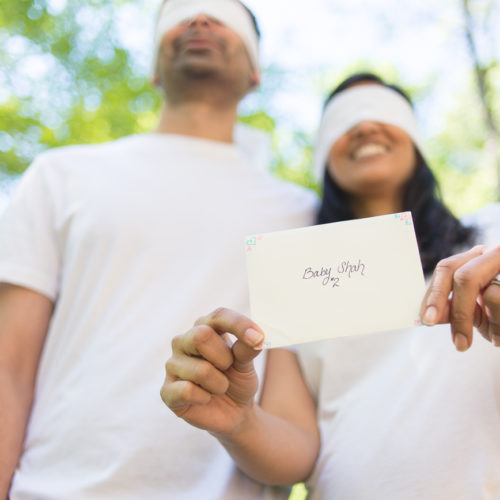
x=6 y=186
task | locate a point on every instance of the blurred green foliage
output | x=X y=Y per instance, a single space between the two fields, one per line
x=65 y=79
x=67 y=76
x=465 y=161
x=299 y=492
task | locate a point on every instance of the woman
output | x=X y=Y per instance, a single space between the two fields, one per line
x=364 y=178
x=400 y=414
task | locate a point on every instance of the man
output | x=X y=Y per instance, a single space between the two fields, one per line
x=107 y=252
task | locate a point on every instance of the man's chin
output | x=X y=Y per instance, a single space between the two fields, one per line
x=200 y=73
x=198 y=67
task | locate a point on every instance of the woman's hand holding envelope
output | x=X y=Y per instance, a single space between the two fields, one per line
x=211 y=384
x=472 y=278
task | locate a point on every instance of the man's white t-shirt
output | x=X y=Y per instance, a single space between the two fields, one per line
x=132 y=240
x=403 y=415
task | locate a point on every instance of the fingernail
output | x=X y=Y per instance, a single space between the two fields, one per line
x=430 y=316
x=496 y=340
x=259 y=347
x=253 y=337
x=461 y=342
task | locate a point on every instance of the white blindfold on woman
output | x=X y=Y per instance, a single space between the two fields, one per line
x=375 y=103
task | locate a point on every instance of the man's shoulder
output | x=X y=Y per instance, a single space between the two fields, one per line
x=288 y=204
x=294 y=192
x=76 y=151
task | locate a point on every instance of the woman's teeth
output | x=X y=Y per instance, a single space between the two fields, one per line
x=369 y=150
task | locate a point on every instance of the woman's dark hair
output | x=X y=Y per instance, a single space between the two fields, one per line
x=438 y=231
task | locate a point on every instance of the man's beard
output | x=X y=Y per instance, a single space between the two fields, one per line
x=198 y=73
x=191 y=72
x=196 y=62
x=193 y=79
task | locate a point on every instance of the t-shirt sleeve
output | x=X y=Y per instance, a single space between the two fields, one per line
x=486 y=221
x=29 y=254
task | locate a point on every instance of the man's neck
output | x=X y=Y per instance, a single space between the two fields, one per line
x=201 y=120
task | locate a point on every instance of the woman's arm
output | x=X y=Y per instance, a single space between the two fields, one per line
x=212 y=385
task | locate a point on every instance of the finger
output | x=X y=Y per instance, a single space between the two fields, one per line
x=244 y=329
x=179 y=394
x=249 y=336
x=198 y=371
x=491 y=299
x=435 y=308
x=481 y=320
x=205 y=342
x=468 y=282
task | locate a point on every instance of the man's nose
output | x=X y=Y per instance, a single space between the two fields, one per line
x=200 y=20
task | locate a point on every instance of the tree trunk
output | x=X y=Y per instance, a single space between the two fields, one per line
x=492 y=143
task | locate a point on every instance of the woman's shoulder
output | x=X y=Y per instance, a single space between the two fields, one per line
x=487 y=222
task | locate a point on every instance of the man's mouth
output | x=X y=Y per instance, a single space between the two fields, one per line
x=199 y=43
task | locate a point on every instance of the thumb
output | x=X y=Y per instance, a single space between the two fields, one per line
x=243 y=356
x=249 y=337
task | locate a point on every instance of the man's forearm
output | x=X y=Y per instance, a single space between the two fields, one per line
x=272 y=450
x=15 y=404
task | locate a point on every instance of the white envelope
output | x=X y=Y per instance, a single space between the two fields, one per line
x=335 y=280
